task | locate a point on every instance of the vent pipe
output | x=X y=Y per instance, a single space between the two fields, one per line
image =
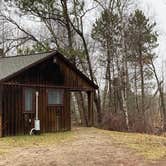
x=36 y=129
x=37 y=121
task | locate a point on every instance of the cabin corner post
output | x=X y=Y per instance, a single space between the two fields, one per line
x=90 y=109
x=1 y=91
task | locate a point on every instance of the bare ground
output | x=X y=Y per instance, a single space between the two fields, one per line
x=88 y=148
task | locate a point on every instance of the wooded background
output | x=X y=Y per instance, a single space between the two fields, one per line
x=116 y=51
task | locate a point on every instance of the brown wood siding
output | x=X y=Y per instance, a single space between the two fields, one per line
x=17 y=122
x=41 y=77
x=0 y=111
x=0 y=124
x=71 y=78
x=12 y=110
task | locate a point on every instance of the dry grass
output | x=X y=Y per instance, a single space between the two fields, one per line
x=150 y=146
x=9 y=143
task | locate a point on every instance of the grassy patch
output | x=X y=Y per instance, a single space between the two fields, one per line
x=9 y=143
x=150 y=146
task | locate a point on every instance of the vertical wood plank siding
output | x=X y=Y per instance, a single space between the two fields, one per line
x=1 y=91
x=17 y=122
x=71 y=78
x=53 y=118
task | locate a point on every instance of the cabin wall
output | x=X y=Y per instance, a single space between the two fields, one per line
x=12 y=111
x=0 y=125
x=71 y=78
x=1 y=111
x=18 y=122
x=48 y=73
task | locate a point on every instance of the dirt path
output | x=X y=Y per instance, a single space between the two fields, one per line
x=87 y=149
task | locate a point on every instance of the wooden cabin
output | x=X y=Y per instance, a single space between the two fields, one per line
x=53 y=77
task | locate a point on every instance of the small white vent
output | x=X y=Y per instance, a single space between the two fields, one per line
x=54 y=60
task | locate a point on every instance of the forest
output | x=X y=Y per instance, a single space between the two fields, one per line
x=113 y=42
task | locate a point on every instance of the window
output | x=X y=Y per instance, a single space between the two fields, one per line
x=29 y=98
x=55 y=96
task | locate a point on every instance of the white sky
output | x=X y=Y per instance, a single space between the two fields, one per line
x=156 y=10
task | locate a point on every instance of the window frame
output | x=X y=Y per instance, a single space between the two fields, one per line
x=33 y=100
x=53 y=105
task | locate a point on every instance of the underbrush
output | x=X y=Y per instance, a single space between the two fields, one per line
x=116 y=122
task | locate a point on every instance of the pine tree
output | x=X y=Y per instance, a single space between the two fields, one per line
x=142 y=40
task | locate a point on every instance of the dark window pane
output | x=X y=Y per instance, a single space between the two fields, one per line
x=55 y=97
x=29 y=99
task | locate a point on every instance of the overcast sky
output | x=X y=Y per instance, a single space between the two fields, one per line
x=156 y=10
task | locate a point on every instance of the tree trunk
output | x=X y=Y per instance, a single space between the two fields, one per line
x=161 y=97
x=68 y=27
x=125 y=109
x=142 y=85
x=135 y=86
x=82 y=109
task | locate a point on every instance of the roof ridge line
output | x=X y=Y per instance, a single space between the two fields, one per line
x=23 y=55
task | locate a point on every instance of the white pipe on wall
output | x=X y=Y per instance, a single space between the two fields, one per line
x=37 y=121
x=37 y=105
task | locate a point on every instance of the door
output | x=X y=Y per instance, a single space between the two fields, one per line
x=55 y=109
x=29 y=109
